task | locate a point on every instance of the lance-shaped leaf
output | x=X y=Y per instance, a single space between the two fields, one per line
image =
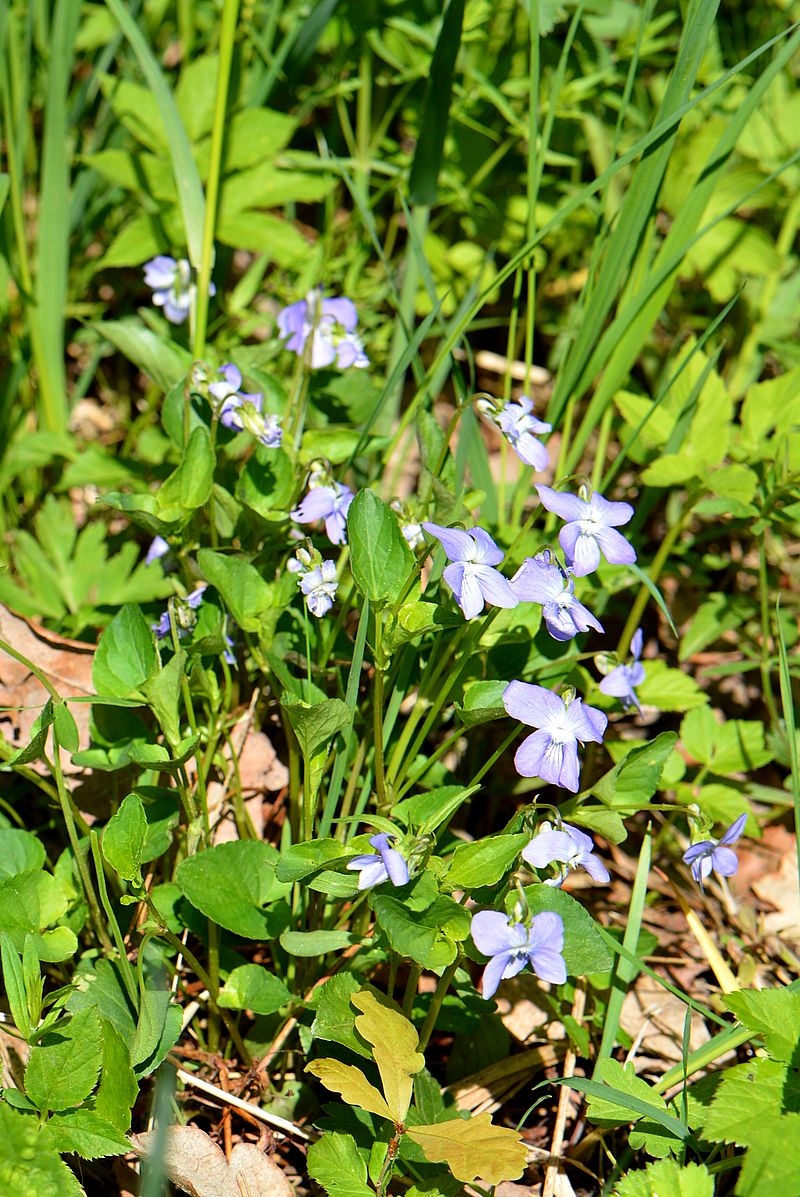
x=394 y=1043
x=351 y=1084
x=473 y=1148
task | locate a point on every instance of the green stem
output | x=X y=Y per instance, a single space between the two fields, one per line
x=415 y=972
x=377 y=712
x=640 y=602
x=125 y=965
x=227 y=38
x=766 y=678
x=436 y=1003
x=213 y=976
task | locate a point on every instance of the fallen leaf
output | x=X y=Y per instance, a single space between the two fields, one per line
x=195 y=1163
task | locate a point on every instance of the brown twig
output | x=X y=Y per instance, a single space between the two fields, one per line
x=570 y=1058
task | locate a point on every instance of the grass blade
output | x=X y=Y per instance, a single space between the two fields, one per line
x=427 y=163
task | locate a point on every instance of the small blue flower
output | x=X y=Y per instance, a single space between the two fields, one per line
x=540 y=579
x=591 y=529
x=243 y=411
x=388 y=865
x=512 y=946
x=173 y=288
x=566 y=846
x=472 y=577
x=521 y=429
x=715 y=854
x=158 y=549
x=552 y=752
x=331 y=324
x=319 y=586
x=620 y=682
x=328 y=503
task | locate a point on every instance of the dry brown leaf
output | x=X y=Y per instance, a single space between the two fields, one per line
x=654 y=1018
x=488 y=1089
x=195 y=1163
x=65 y=663
x=779 y=890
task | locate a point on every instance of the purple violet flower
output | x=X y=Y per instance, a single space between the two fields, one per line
x=331 y=324
x=328 y=503
x=552 y=752
x=590 y=529
x=241 y=411
x=540 y=579
x=715 y=854
x=173 y=289
x=521 y=427
x=319 y=586
x=620 y=682
x=388 y=865
x=471 y=577
x=512 y=946
x=158 y=549
x=568 y=847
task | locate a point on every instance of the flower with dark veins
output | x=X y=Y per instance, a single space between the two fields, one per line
x=540 y=579
x=551 y=753
x=716 y=855
x=590 y=530
x=513 y=946
x=328 y=503
x=472 y=577
x=566 y=846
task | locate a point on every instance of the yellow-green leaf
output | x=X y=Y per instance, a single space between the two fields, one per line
x=394 y=1043
x=473 y=1148
x=351 y=1084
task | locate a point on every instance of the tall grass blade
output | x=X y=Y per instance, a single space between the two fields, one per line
x=187 y=178
x=787 y=703
x=424 y=177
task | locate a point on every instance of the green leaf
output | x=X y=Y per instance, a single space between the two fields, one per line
x=246 y=594
x=669 y=689
x=29 y=1167
x=379 y=555
x=428 y=810
x=99 y=985
x=485 y=861
x=720 y=613
x=351 y=1084
x=394 y=1043
x=775 y=1015
x=335 y=1163
x=316 y=725
x=118 y=1088
x=66 y=728
x=233 y=884
x=299 y=860
x=14 y=983
x=472 y=1148
x=266 y=485
x=667 y=1178
x=29 y=903
x=623 y=1097
x=190 y=485
x=164 y=361
x=87 y=1134
x=124 y=837
x=316 y=943
x=483 y=701
x=19 y=851
x=584 y=949
x=163 y=693
x=251 y=987
x=434 y=119
x=634 y=781
x=125 y=655
x=734 y=746
x=335 y=1017
x=63 y=1068
x=428 y=936
x=748 y=1097
x=34 y=750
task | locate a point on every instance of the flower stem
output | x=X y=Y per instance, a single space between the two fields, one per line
x=436 y=1003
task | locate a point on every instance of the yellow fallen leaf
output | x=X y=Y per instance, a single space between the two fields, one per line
x=473 y=1148
x=351 y=1084
x=394 y=1043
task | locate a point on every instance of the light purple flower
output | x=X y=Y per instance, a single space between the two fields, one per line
x=540 y=579
x=158 y=549
x=388 y=865
x=620 y=682
x=521 y=427
x=173 y=288
x=328 y=503
x=243 y=411
x=471 y=577
x=715 y=854
x=183 y=617
x=331 y=324
x=512 y=946
x=590 y=529
x=566 y=846
x=319 y=586
x=552 y=752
